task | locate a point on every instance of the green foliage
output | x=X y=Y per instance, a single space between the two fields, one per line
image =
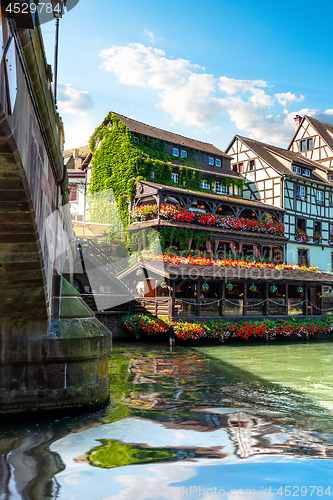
x=114 y=454
x=119 y=163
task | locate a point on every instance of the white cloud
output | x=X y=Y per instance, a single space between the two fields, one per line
x=259 y=98
x=195 y=98
x=231 y=86
x=74 y=102
x=286 y=98
x=77 y=132
x=150 y=35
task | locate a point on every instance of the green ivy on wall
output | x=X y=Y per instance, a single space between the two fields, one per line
x=119 y=163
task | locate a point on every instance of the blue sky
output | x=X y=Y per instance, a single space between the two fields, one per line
x=203 y=70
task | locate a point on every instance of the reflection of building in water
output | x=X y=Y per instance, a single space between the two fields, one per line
x=253 y=435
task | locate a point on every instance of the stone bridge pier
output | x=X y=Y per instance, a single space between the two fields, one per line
x=53 y=352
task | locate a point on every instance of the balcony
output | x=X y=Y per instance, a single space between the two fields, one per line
x=173 y=214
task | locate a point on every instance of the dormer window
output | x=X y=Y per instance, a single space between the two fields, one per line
x=183 y=153
x=152 y=174
x=330 y=178
x=175 y=178
x=297 y=170
x=205 y=185
x=221 y=189
x=211 y=161
x=175 y=152
x=307 y=173
x=218 y=163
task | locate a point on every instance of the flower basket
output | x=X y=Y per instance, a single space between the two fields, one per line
x=273 y=288
x=253 y=287
x=229 y=286
x=301 y=236
x=205 y=287
x=318 y=238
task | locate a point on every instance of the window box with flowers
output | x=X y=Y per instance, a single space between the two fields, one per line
x=227 y=222
x=318 y=239
x=301 y=236
x=330 y=240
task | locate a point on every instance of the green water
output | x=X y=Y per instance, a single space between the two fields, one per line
x=251 y=421
x=304 y=370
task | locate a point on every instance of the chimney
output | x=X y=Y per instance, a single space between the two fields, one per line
x=298 y=120
x=75 y=153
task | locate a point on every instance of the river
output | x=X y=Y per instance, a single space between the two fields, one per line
x=206 y=422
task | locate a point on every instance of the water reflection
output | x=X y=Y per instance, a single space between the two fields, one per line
x=176 y=421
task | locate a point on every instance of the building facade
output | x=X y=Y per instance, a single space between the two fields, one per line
x=77 y=162
x=223 y=244
x=297 y=184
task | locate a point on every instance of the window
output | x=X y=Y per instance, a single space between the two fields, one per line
x=302 y=256
x=331 y=229
x=220 y=189
x=175 y=152
x=251 y=165
x=317 y=227
x=241 y=168
x=310 y=143
x=79 y=218
x=205 y=185
x=301 y=193
x=307 y=173
x=331 y=198
x=303 y=145
x=300 y=224
x=136 y=140
x=211 y=161
x=297 y=170
x=183 y=153
x=73 y=192
x=320 y=197
x=152 y=174
x=330 y=178
x=218 y=163
x=234 y=167
x=175 y=178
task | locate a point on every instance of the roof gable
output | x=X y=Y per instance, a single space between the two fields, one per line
x=279 y=158
x=325 y=130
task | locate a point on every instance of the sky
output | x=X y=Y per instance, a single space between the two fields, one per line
x=205 y=70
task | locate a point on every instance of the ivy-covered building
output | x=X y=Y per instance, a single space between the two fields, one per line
x=209 y=246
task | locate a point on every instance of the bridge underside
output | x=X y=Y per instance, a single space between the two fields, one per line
x=23 y=294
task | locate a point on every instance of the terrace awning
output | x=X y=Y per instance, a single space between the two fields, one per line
x=88 y=229
x=193 y=272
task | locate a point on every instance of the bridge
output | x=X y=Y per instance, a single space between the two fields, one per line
x=53 y=351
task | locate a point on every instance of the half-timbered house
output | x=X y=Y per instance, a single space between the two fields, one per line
x=313 y=139
x=300 y=186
